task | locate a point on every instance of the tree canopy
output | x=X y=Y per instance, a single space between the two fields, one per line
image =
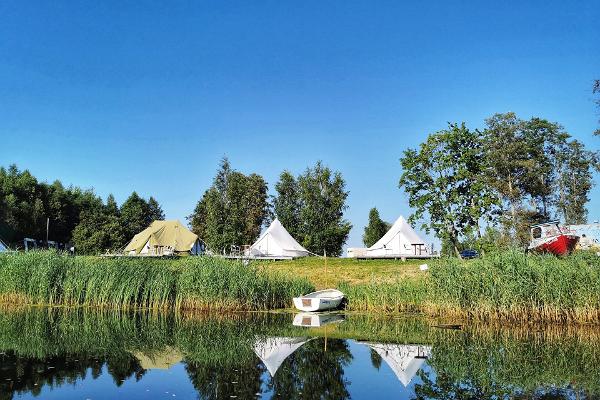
x=512 y=174
x=76 y=216
x=232 y=211
x=311 y=207
x=375 y=229
x=444 y=180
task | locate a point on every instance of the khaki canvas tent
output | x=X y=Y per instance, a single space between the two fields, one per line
x=164 y=238
x=400 y=241
x=404 y=360
x=276 y=243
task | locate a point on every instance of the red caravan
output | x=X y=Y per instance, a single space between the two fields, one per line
x=552 y=238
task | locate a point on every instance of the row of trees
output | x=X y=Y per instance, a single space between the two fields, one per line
x=236 y=207
x=75 y=216
x=511 y=174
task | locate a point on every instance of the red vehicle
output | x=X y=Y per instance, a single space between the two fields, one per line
x=552 y=238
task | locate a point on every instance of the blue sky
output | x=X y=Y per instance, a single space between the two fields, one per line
x=139 y=96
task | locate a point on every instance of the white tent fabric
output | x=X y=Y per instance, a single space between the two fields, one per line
x=273 y=351
x=404 y=360
x=3 y=246
x=276 y=242
x=400 y=240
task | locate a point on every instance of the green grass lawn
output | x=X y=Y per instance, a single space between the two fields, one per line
x=347 y=270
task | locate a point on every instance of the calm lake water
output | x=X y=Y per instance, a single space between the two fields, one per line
x=77 y=354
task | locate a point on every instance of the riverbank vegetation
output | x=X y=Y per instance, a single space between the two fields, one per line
x=508 y=286
x=512 y=174
x=199 y=283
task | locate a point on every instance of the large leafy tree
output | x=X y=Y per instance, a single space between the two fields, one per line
x=375 y=229
x=155 y=210
x=135 y=215
x=232 y=211
x=444 y=180
x=313 y=205
x=574 y=181
x=287 y=204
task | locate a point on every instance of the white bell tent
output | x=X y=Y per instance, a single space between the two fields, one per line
x=3 y=247
x=404 y=360
x=277 y=243
x=400 y=241
x=273 y=351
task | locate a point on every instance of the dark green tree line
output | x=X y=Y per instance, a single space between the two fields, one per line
x=232 y=211
x=311 y=207
x=75 y=216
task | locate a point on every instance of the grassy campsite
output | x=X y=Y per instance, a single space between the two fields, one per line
x=511 y=250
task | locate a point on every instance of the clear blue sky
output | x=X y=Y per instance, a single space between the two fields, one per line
x=138 y=96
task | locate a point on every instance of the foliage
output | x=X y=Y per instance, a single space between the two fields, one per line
x=287 y=204
x=48 y=278
x=232 y=211
x=375 y=229
x=444 y=180
x=135 y=215
x=75 y=216
x=314 y=205
x=516 y=286
x=513 y=174
x=574 y=181
x=155 y=211
x=538 y=173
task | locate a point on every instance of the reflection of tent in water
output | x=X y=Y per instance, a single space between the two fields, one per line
x=164 y=238
x=273 y=351
x=404 y=360
x=164 y=359
x=276 y=243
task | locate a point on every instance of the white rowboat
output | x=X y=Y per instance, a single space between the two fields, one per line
x=319 y=301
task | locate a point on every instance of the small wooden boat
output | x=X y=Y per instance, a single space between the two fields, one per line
x=314 y=320
x=321 y=300
x=552 y=238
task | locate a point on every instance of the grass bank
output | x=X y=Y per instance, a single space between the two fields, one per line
x=201 y=283
x=349 y=270
x=509 y=286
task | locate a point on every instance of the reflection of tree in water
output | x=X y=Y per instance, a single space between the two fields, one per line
x=221 y=382
x=313 y=373
x=375 y=359
x=30 y=375
x=443 y=386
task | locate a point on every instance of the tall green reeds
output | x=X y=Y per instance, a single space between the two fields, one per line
x=511 y=286
x=519 y=287
x=49 y=278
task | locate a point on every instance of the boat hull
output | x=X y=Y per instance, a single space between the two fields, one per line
x=312 y=304
x=559 y=245
x=314 y=320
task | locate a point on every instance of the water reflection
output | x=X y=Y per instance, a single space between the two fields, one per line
x=82 y=354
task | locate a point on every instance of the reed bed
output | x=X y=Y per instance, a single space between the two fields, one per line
x=507 y=286
x=202 y=283
x=517 y=287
